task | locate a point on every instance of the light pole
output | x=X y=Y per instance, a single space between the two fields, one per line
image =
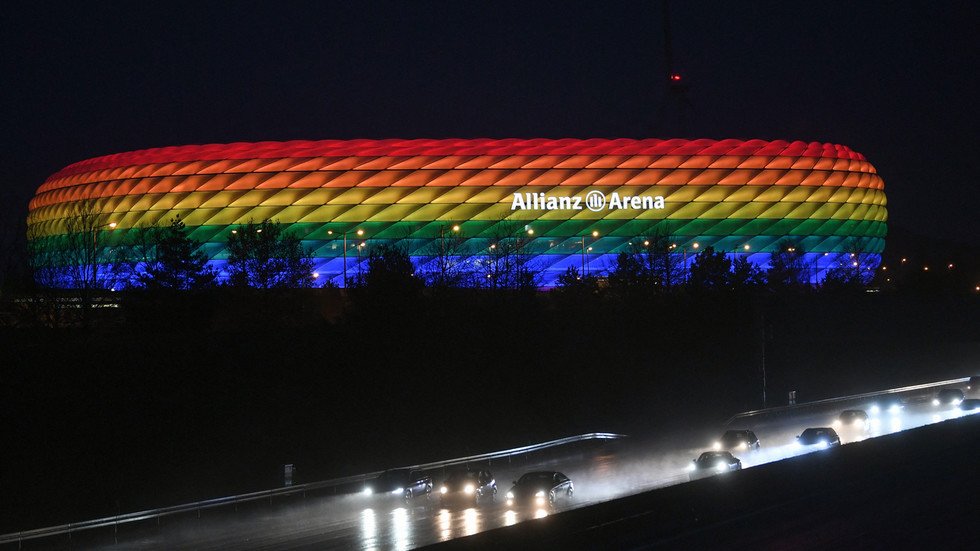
x=359 y=233
x=442 y=249
x=360 y=245
x=95 y=250
x=694 y=247
x=595 y=234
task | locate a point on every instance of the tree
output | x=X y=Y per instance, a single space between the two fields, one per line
x=854 y=269
x=710 y=270
x=390 y=272
x=172 y=260
x=787 y=270
x=746 y=275
x=629 y=275
x=507 y=264
x=572 y=283
x=662 y=263
x=452 y=263
x=266 y=256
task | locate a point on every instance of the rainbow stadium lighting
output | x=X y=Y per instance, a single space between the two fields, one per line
x=569 y=202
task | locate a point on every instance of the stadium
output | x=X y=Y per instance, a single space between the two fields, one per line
x=554 y=203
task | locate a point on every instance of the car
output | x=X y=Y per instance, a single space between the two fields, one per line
x=969 y=405
x=948 y=397
x=540 y=488
x=712 y=463
x=739 y=440
x=852 y=419
x=468 y=487
x=888 y=403
x=403 y=483
x=820 y=437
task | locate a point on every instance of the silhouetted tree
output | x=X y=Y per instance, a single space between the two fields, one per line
x=662 y=264
x=746 y=275
x=710 y=270
x=853 y=271
x=507 y=264
x=172 y=259
x=451 y=266
x=787 y=270
x=629 y=275
x=390 y=272
x=265 y=256
x=573 y=283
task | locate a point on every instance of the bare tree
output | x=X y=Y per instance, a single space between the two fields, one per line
x=82 y=257
x=508 y=263
x=663 y=265
x=452 y=266
x=787 y=269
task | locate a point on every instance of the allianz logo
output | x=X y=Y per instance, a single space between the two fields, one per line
x=594 y=200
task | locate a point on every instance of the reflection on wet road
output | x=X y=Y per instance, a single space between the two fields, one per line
x=358 y=521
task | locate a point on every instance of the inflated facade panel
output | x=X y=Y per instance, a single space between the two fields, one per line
x=825 y=199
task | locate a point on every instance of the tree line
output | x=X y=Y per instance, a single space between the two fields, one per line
x=265 y=255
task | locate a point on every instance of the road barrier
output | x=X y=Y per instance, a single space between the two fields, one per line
x=804 y=405
x=197 y=506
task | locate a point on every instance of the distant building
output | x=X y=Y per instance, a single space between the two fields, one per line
x=556 y=203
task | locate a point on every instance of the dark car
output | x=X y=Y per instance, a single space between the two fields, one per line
x=969 y=405
x=854 y=419
x=468 y=487
x=821 y=437
x=540 y=488
x=712 y=463
x=949 y=397
x=737 y=440
x=403 y=483
x=888 y=403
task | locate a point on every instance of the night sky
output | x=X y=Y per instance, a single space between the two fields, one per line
x=895 y=81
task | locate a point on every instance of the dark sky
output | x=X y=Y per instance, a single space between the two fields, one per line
x=895 y=81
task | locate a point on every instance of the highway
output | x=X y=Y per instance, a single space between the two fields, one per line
x=600 y=471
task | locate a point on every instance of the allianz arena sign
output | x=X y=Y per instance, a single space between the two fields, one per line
x=594 y=200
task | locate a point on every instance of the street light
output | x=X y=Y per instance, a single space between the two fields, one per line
x=694 y=247
x=359 y=232
x=595 y=234
x=95 y=249
x=442 y=247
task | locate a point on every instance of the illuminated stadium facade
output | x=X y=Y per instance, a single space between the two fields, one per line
x=570 y=203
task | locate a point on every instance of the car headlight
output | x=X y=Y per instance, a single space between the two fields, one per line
x=822 y=443
x=368 y=491
x=691 y=467
x=875 y=409
x=741 y=446
x=716 y=445
x=469 y=489
x=935 y=401
x=720 y=467
x=443 y=490
x=858 y=422
x=956 y=401
x=398 y=491
x=510 y=495
x=895 y=409
x=836 y=423
x=539 y=494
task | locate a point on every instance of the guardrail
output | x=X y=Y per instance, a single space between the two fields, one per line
x=780 y=409
x=149 y=514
